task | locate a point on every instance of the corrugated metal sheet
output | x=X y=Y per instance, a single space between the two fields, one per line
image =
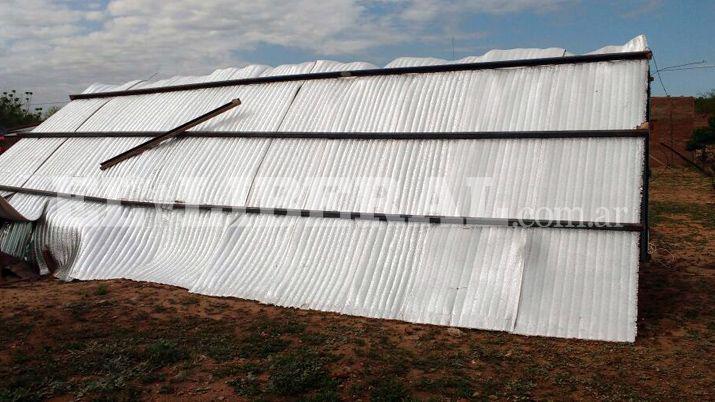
x=440 y=274
x=580 y=284
x=14 y=238
x=577 y=179
x=569 y=283
x=528 y=281
x=543 y=98
x=24 y=158
x=593 y=96
x=135 y=243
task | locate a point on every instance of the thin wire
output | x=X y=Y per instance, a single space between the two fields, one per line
x=688 y=68
x=659 y=77
x=682 y=65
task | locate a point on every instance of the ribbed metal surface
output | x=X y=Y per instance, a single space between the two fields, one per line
x=580 y=285
x=593 y=96
x=221 y=170
x=261 y=105
x=97 y=87
x=528 y=281
x=70 y=117
x=581 y=179
x=568 y=283
x=23 y=159
x=20 y=162
x=440 y=274
x=14 y=238
x=134 y=243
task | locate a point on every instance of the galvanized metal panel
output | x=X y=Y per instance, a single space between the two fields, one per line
x=578 y=179
x=592 y=96
x=261 y=105
x=94 y=241
x=580 y=285
x=439 y=274
x=18 y=163
x=14 y=238
x=98 y=87
x=527 y=281
x=23 y=159
x=370 y=105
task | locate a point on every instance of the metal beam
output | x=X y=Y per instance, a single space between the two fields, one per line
x=465 y=135
x=435 y=219
x=169 y=134
x=589 y=58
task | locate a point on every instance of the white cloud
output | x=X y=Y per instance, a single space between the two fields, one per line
x=428 y=10
x=56 y=47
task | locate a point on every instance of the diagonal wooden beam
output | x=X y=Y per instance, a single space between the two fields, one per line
x=154 y=142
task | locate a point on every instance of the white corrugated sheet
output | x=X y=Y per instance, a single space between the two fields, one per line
x=577 y=179
x=554 y=282
x=527 y=99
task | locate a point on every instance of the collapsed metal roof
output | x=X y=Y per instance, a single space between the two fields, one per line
x=567 y=282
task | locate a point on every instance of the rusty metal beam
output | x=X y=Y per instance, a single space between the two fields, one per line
x=154 y=142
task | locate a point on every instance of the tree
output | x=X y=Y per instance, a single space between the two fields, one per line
x=705 y=136
x=702 y=143
x=702 y=137
x=14 y=111
x=705 y=103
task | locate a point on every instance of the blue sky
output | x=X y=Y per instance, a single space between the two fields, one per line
x=58 y=47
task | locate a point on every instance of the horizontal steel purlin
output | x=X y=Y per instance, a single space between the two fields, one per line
x=434 y=219
x=465 y=135
x=588 y=58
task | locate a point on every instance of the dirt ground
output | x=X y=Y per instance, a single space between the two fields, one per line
x=124 y=340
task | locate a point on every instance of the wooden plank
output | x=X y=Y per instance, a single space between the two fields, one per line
x=154 y=142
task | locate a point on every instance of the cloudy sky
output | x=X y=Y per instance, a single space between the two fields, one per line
x=56 y=47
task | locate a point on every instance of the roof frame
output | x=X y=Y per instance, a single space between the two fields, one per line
x=489 y=65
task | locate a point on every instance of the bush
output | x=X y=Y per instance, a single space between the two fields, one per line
x=298 y=372
x=705 y=103
x=703 y=136
x=164 y=352
x=14 y=112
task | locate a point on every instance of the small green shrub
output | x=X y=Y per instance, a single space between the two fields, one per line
x=298 y=372
x=101 y=290
x=389 y=390
x=164 y=352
